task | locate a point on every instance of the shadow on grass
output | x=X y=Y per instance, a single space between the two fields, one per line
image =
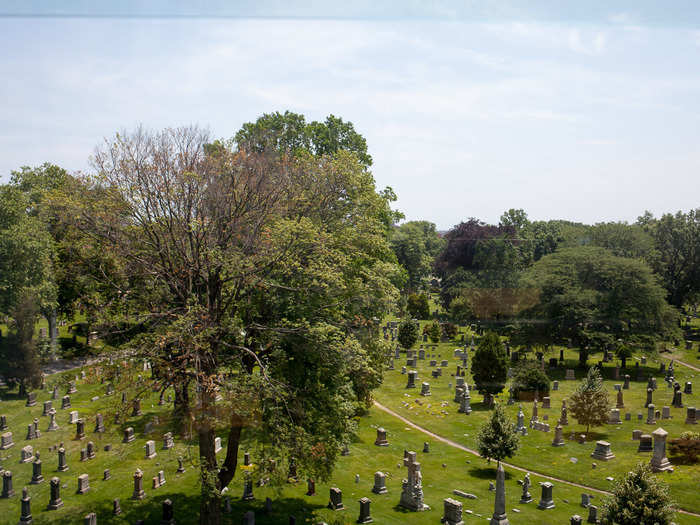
x=487 y=472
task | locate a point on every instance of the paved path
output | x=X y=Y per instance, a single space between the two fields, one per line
x=515 y=467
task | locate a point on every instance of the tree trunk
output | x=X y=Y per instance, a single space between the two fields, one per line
x=210 y=506
x=53 y=334
x=228 y=468
x=181 y=407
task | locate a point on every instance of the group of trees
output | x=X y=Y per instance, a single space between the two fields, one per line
x=255 y=269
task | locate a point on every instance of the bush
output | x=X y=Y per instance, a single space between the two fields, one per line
x=449 y=330
x=408 y=334
x=434 y=331
x=417 y=306
x=687 y=446
x=530 y=378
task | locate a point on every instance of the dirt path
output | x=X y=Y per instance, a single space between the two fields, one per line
x=515 y=467
x=681 y=363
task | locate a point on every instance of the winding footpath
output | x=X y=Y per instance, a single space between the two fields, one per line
x=510 y=465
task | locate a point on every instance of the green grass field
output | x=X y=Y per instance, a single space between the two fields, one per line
x=444 y=468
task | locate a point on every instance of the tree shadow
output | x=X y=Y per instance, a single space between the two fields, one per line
x=487 y=472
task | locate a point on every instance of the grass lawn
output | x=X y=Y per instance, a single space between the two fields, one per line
x=438 y=413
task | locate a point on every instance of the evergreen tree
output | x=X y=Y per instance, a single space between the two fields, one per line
x=489 y=367
x=498 y=438
x=589 y=404
x=408 y=333
x=639 y=499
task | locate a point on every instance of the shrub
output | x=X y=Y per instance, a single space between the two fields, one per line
x=530 y=378
x=489 y=367
x=497 y=438
x=449 y=330
x=408 y=334
x=686 y=446
x=417 y=306
x=434 y=331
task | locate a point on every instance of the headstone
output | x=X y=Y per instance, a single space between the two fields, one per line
x=464 y=402
x=168 y=513
x=55 y=501
x=620 y=400
x=47 y=407
x=31 y=399
x=65 y=402
x=36 y=471
x=665 y=413
x=381 y=440
x=31 y=432
x=602 y=451
x=73 y=417
x=592 y=514
x=526 y=497
x=412 y=376
x=249 y=518
x=555 y=386
x=626 y=384
x=499 y=512
x=379 y=483
x=546 y=500
x=575 y=520
x=690 y=418
x=636 y=434
x=90 y=450
x=83 y=484
x=99 y=424
x=364 y=511
x=570 y=375
x=90 y=519
x=139 y=493
x=62 y=465
x=79 y=429
x=425 y=389
x=248 y=489
x=651 y=415
x=150 y=448
x=27 y=454
x=106 y=475
x=7 y=490
x=614 y=418
x=310 y=487
x=659 y=461
x=217 y=445
x=412 y=486
x=53 y=426
x=645 y=443
x=136 y=410
x=26 y=508
x=116 y=507
x=336 y=499
x=558 y=436
x=168 y=441
x=128 y=435
x=585 y=500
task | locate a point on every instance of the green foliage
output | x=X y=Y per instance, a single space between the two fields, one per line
x=417 y=306
x=587 y=293
x=449 y=330
x=677 y=261
x=434 y=332
x=529 y=377
x=639 y=498
x=416 y=243
x=408 y=333
x=589 y=404
x=489 y=367
x=686 y=446
x=623 y=240
x=18 y=352
x=497 y=438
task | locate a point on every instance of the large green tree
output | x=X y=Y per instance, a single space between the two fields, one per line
x=587 y=295
x=416 y=244
x=589 y=404
x=677 y=242
x=497 y=438
x=256 y=275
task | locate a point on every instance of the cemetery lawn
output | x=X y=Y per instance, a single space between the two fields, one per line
x=460 y=471
x=536 y=451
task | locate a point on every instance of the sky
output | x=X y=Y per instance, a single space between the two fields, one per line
x=586 y=111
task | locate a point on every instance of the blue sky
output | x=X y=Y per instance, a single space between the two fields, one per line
x=469 y=108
